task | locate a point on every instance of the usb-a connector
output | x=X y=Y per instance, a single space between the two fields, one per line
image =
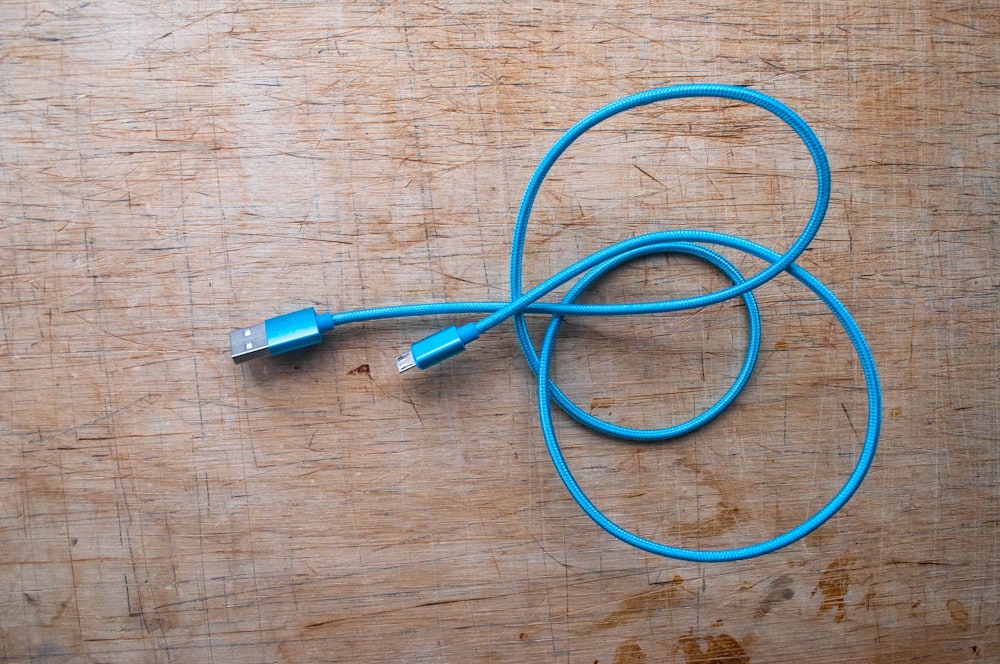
x=280 y=334
x=248 y=343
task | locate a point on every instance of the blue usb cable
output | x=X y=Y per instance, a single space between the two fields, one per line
x=304 y=328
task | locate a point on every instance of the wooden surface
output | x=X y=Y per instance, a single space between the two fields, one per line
x=170 y=171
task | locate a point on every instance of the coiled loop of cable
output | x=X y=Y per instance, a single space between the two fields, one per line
x=690 y=242
x=680 y=241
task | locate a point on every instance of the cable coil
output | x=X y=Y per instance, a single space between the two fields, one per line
x=688 y=242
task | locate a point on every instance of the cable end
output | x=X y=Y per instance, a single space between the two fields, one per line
x=279 y=335
x=248 y=343
x=438 y=347
x=405 y=362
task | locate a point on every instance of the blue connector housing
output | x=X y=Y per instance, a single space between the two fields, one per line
x=280 y=334
x=296 y=330
x=438 y=347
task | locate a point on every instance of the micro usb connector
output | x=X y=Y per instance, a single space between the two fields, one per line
x=405 y=362
x=437 y=347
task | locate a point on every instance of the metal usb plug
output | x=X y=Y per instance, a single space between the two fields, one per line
x=248 y=343
x=280 y=334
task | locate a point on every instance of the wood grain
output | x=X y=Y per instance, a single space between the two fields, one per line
x=169 y=171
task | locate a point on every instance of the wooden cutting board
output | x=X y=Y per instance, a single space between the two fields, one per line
x=169 y=172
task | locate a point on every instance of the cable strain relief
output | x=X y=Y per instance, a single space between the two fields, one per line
x=324 y=322
x=468 y=333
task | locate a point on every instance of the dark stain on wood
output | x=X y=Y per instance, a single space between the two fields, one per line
x=959 y=615
x=778 y=591
x=629 y=653
x=642 y=605
x=833 y=584
x=721 y=649
x=600 y=402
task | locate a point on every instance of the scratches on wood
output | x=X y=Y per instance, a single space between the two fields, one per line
x=171 y=171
